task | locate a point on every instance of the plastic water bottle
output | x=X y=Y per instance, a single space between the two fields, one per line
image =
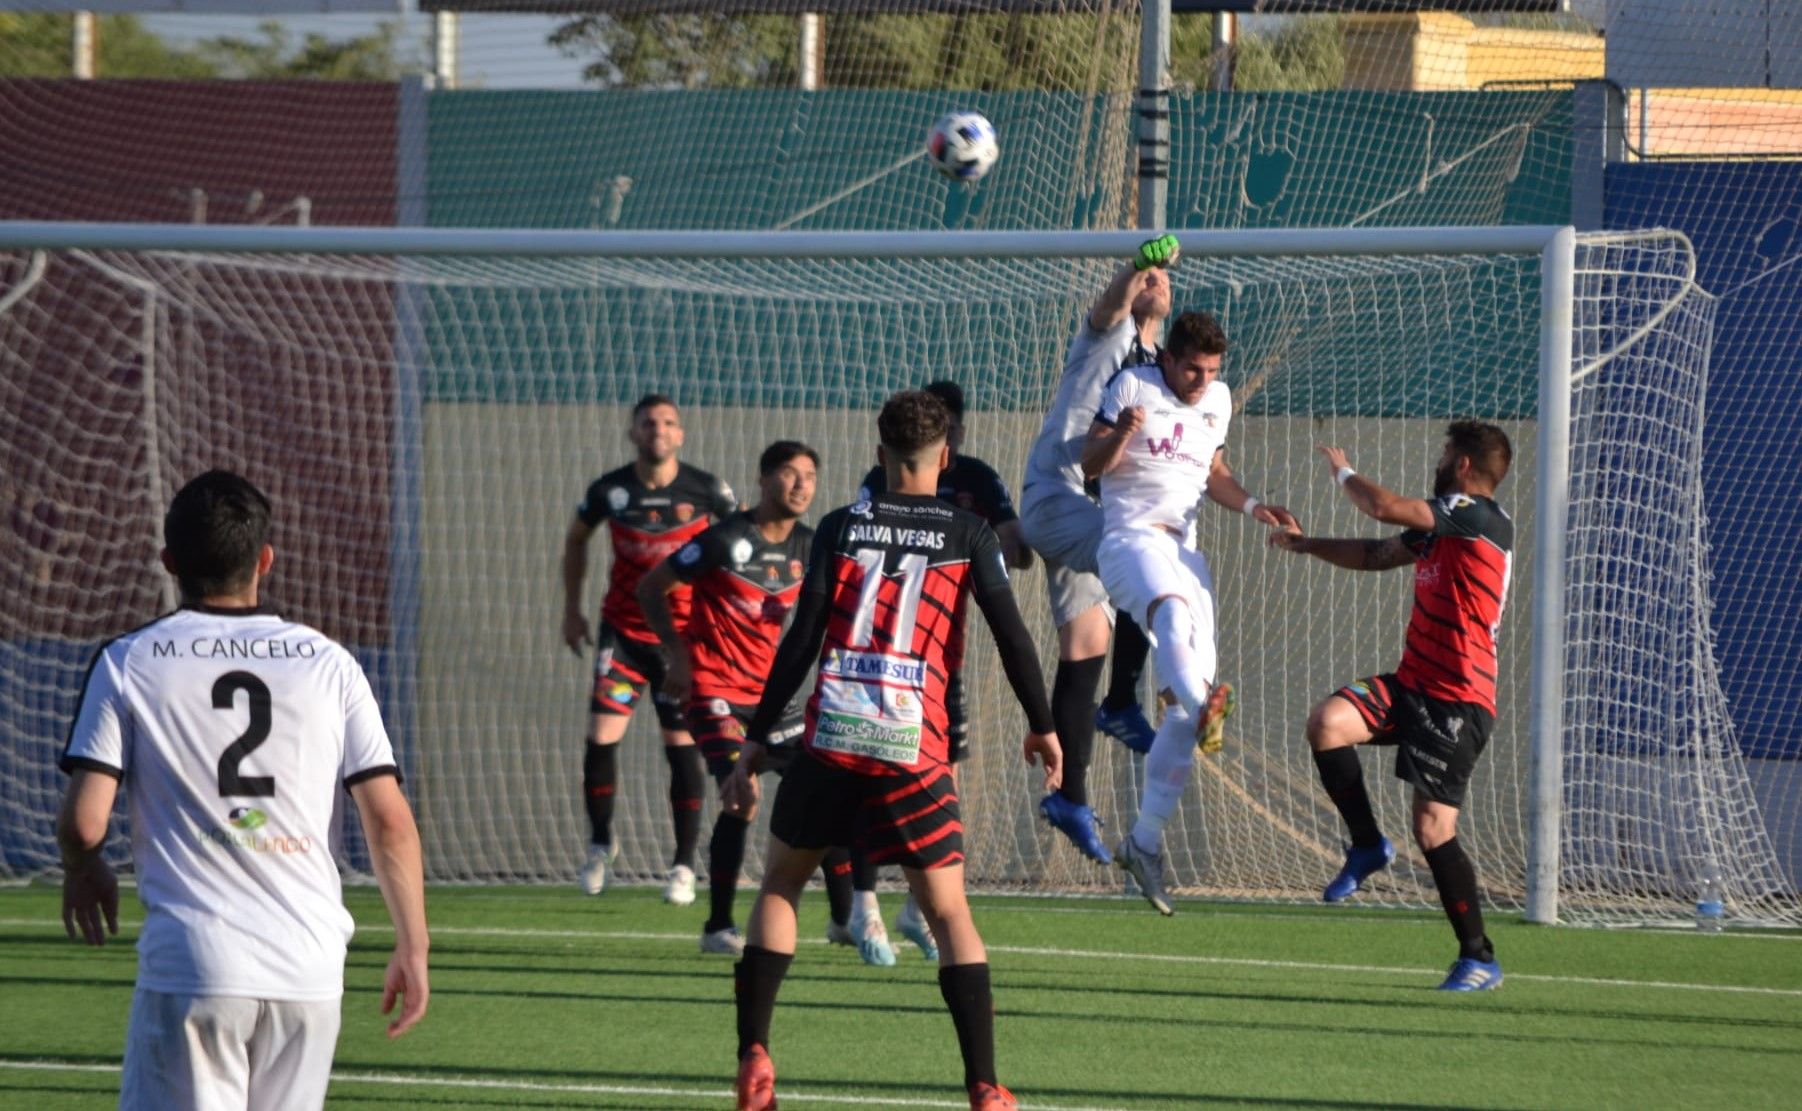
x=1711 y=910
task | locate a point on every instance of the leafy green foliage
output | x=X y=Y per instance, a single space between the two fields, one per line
x=39 y=44
x=999 y=53
x=275 y=56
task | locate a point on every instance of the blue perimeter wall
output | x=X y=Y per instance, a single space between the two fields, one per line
x=1745 y=220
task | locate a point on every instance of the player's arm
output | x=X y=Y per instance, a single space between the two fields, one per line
x=1107 y=441
x=90 y=891
x=575 y=573
x=1373 y=500
x=1002 y=517
x=1019 y=655
x=653 y=599
x=394 y=851
x=1014 y=548
x=1354 y=555
x=95 y=761
x=800 y=645
x=1225 y=490
x=1116 y=301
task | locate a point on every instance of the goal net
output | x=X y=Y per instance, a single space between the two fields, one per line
x=426 y=423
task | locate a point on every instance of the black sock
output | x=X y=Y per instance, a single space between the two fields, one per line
x=836 y=869
x=966 y=991
x=600 y=773
x=1130 y=649
x=687 y=787
x=725 y=859
x=755 y=980
x=1456 y=878
x=863 y=873
x=1343 y=778
x=1073 y=714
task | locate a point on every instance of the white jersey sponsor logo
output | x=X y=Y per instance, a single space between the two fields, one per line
x=1163 y=473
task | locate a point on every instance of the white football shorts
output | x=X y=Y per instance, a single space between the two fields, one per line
x=206 y=1052
x=1139 y=566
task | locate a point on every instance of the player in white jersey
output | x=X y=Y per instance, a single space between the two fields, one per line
x=1063 y=524
x=234 y=730
x=1158 y=445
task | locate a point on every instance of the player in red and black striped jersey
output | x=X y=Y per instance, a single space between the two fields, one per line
x=651 y=507
x=970 y=484
x=882 y=612
x=744 y=574
x=1438 y=707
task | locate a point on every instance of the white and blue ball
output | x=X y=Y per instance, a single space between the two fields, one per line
x=962 y=145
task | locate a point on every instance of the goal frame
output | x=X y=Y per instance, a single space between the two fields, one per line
x=1555 y=245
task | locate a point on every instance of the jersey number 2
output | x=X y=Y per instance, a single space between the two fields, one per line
x=225 y=696
x=900 y=632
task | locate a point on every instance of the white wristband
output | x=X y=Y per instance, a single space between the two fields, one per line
x=1343 y=474
x=1250 y=506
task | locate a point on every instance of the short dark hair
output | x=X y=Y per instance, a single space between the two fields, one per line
x=1485 y=445
x=912 y=420
x=215 y=531
x=1195 y=333
x=782 y=452
x=950 y=393
x=651 y=401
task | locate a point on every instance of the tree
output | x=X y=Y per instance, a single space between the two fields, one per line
x=374 y=57
x=1303 y=54
x=683 y=51
x=40 y=44
x=990 y=52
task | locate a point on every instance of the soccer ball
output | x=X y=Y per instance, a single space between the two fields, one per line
x=962 y=145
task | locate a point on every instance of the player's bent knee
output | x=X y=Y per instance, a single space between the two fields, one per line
x=1434 y=824
x=1333 y=723
x=607 y=729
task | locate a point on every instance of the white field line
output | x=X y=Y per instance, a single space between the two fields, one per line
x=789 y=1095
x=1099 y=955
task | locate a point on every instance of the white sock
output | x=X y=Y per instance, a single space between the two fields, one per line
x=1166 y=774
x=863 y=905
x=909 y=909
x=1179 y=668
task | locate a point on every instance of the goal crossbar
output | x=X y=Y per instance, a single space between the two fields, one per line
x=29 y=235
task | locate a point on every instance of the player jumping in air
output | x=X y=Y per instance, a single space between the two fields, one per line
x=1438 y=707
x=652 y=506
x=1158 y=445
x=882 y=613
x=1063 y=524
x=745 y=573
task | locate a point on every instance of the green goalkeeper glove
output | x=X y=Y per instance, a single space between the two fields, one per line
x=1156 y=252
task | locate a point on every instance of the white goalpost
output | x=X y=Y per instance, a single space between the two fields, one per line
x=426 y=406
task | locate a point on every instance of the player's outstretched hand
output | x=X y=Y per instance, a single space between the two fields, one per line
x=91 y=893
x=1288 y=539
x=405 y=980
x=575 y=632
x=1335 y=458
x=1049 y=756
x=1162 y=252
x=1276 y=517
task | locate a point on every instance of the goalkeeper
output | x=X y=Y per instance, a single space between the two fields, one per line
x=1062 y=522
